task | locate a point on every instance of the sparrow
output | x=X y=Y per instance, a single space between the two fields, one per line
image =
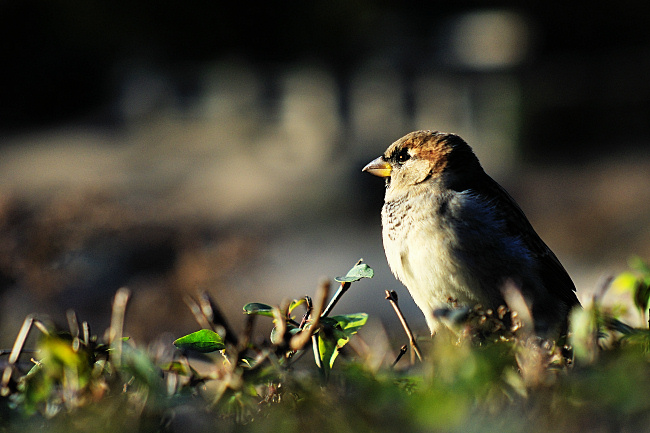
x=454 y=237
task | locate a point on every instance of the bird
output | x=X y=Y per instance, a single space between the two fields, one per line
x=454 y=237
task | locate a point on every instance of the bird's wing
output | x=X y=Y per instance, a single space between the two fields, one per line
x=555 y=278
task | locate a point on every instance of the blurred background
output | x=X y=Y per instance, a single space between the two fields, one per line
x=174 y=147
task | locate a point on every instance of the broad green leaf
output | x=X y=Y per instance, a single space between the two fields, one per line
x=295 y=303
x=259 y=309
x=358 y=271
x=328 y=351
x=351 y=322
x=335 y=333
x=203 y=341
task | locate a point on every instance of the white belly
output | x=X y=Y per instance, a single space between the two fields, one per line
x=427 y=265
x=425 y=252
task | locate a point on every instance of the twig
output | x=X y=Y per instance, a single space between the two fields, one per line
x=299 y=340
x=117 y=324
x=391 y=296
x=402 y=351
x=602 y=287
x=195 y=308
x=281 y=335
x=15 y=353
x=86 y=332
x=212 y=312
x=248 y=332
x=308 y=309
x=337 y=296
x=73 y=323
x=244 y=342
x=314 y=343
x=345 y=285
x=17 y=349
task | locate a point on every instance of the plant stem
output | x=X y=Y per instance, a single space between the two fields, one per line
x=402 y=351
x=117 y=324
x=337 y=296
x=391 y=296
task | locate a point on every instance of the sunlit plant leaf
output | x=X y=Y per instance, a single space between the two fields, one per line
x=358 y=271
x=203 y=341
x=296 y=303
x=350 y=323
x=259 y=309
x=335 y=333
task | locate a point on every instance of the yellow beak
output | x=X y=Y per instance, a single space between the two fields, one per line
x=378 y=167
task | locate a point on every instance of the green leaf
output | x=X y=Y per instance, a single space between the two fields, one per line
x=358 y=271
x=350 y=322
x=277 y=339
x=248 y=361
x=335 y=333
x=295 y=303
x=259 y=309
x=203 y=341
x=328 y=351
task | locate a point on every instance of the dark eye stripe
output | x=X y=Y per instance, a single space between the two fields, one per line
x=403 y=156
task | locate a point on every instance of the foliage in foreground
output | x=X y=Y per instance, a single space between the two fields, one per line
x=218 y=381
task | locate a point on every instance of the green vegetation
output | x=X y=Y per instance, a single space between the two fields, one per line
x=215 y=380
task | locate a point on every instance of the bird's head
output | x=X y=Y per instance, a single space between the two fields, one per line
x=426 y=156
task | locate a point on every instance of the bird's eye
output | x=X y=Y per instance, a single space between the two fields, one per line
x=403 y=156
